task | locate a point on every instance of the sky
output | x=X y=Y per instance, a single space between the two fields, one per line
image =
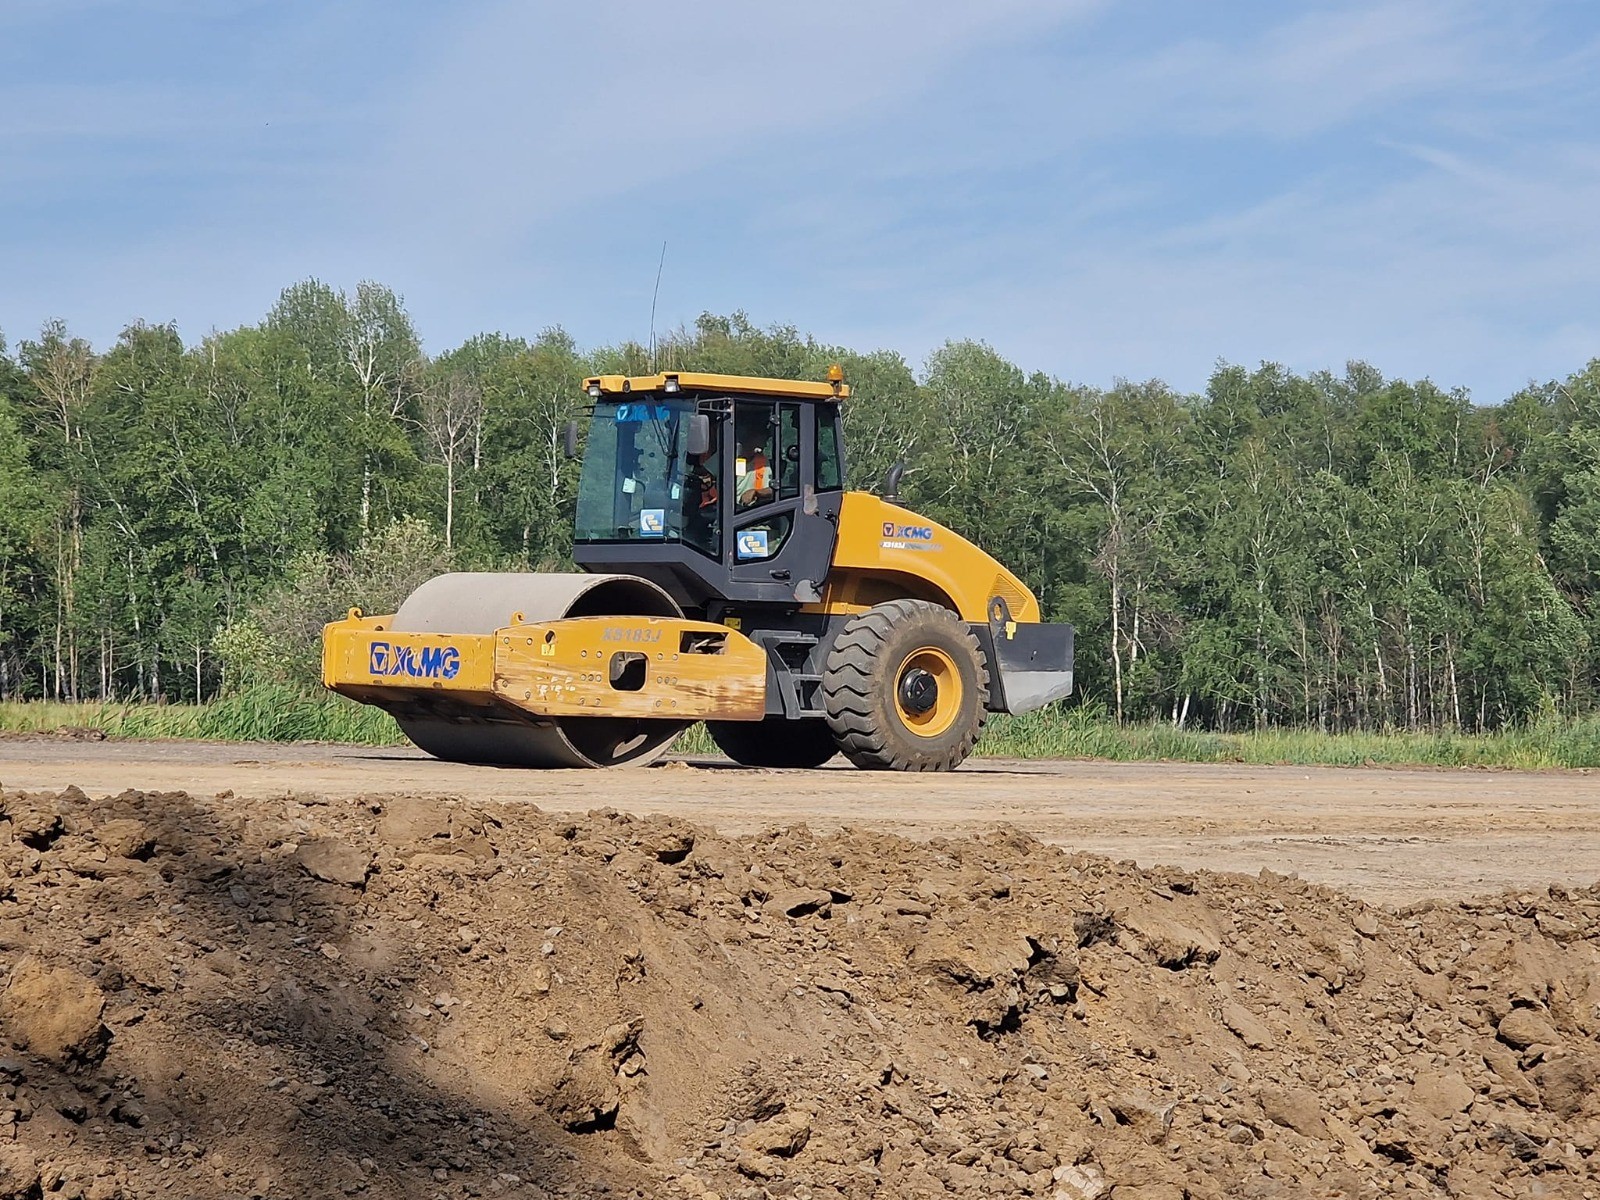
x=1098 y=189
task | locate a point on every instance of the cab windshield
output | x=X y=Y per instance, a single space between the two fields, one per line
x=638 y=483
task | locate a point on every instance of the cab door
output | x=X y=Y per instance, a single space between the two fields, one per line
x=780 y=542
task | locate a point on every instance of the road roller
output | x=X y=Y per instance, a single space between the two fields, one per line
x=727 y=576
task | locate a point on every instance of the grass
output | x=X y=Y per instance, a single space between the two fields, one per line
x=1088 y=733
x=286 y=715
x=1084 y=733
x=264 y=714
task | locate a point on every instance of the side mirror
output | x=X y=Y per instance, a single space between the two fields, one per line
x=891 y=483
x=699 y=433
x=570 y=439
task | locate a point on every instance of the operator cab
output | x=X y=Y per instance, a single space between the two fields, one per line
x=718 y=488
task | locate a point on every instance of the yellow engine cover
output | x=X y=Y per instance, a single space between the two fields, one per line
x=886 y=552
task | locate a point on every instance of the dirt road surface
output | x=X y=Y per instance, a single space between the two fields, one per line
x=1389 y=836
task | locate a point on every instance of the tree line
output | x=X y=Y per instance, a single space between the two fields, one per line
x=1335 y=550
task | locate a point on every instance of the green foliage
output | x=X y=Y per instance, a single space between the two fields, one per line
x=277 y=640
x=1338 y=552
x=21 y=503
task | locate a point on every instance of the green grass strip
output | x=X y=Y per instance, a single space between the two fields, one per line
x=283 y=714
x=262 y=714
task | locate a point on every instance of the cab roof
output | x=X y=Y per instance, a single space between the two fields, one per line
x=832 y=389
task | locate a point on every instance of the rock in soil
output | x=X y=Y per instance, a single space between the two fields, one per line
x=334 y=861
x=54 y=1013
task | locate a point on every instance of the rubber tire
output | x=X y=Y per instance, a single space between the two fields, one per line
x=774 y=742
x=858 y=687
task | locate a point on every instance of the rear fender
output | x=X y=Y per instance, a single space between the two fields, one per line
x=882 y=541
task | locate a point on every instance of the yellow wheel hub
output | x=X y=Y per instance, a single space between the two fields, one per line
x=928 y=691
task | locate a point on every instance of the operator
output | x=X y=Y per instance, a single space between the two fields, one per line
x=702 y=481
x=703 y=497
x=755 y=477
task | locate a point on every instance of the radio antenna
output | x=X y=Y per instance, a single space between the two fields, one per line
x=653 y=295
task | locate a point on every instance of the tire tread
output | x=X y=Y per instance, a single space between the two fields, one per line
x=852 y=696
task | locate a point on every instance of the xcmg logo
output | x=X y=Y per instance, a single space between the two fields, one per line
x=908 y=533
x=431 y=662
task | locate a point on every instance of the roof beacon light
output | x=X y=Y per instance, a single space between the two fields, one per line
x=836 y=376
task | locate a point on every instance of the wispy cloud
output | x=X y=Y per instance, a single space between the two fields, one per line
x=1473 y=272
x=534 y=110
x=1098 y=189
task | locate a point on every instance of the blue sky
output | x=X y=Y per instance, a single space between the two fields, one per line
x=1097 y=189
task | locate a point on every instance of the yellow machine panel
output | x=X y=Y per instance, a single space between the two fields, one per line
x=885 y=551
x=639 y=667
x=362 y=652
x=631 y=667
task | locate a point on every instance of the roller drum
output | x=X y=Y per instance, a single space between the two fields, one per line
x=482 y=602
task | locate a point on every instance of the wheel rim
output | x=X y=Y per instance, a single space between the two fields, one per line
x=928 y=691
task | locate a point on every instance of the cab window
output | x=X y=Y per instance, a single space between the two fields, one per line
x=702 y=498
x=754 y=450
x=829 y=476
x=788 y=461
x=763 y=537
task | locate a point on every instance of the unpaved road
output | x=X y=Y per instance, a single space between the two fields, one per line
x=1387 y=835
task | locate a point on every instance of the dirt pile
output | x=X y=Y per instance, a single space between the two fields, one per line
x=414 y=997
x=62 y=733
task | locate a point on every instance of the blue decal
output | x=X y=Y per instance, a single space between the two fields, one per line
x=441 y=662
x=753 y=543
x=434 y=662
x=652 y=522
x=628 y=414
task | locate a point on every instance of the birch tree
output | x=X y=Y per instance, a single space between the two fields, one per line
x=61 y=369
x=1124 y=450
x=451 y=421
x=382 y=354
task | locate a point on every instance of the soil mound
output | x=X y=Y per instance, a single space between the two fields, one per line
x=62 y=733
x=422 y=997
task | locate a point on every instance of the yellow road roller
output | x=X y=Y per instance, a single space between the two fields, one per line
x=728 y=577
